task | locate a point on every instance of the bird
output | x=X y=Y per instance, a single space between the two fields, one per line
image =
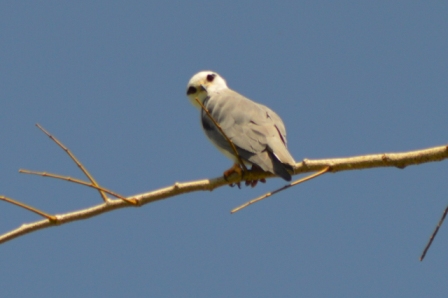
x=256 y=131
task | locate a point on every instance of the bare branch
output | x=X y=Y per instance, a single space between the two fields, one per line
x=51 y=218
x=399 y=160
x=74 y=180
x=73 y=157
x=433 y=235
x=266 y=195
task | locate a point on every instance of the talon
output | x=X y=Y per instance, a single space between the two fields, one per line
x=263 y=180
x=252 y=183
x=237 y=184
x=234 y=169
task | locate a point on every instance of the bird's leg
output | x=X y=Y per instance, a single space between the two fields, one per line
x=253 y=183
x=234 y=169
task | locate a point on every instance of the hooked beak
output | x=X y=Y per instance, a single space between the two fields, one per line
x=203 y=88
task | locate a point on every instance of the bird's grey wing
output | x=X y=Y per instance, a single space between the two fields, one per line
x=277 y=122
x=256 y=131
x=274 y=129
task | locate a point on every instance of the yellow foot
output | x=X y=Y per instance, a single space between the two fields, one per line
x=234 y=169
x=237 y=169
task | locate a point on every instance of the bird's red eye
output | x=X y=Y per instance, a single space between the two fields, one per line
x=211 y=77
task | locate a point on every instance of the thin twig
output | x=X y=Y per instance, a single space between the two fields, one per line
x=266 y=195
x=225 y=136
x=74 y=180
x=51 y=218
x=77 y=162
x=434 y=234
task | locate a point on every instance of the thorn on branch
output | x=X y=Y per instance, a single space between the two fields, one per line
x=305 y=162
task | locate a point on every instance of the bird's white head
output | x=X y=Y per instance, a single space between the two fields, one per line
x=203 y=84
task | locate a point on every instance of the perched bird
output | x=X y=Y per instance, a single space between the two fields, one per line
x=257 y=132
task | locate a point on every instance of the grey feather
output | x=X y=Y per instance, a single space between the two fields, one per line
x=257 y=132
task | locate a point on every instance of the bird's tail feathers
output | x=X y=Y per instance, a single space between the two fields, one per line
x=281 y=169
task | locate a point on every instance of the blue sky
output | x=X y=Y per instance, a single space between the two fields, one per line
x=108 y=78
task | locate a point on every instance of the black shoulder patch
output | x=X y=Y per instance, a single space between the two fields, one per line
x=207 y=124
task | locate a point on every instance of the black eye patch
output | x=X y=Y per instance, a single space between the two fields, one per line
x=211 y=77
x=191 y=90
